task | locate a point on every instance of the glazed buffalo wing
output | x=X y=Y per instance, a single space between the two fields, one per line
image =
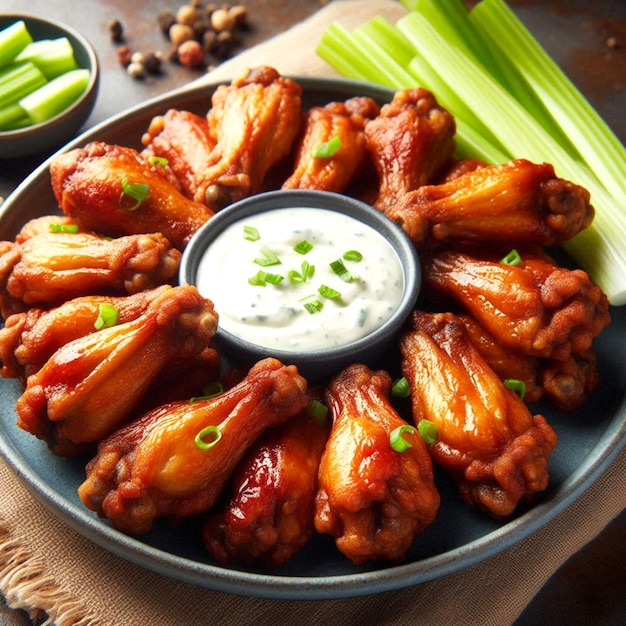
x=372 y=499
x=268 y=514
x=175 y=461
x=487 y=438
x=255 y=122
x=341 y=122
x=48 y=269
x=89 y=387
x=410 y=142
x=535 y=307
x=96 y=186
x=518 y=202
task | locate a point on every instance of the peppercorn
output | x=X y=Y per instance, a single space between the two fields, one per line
x=179 y=33
x=116 y=30
x=222 y=20
x=152 y=62
x=186 y=14
x=136 y=70
x=191 y=54
x=124 y=55
x=166 y=20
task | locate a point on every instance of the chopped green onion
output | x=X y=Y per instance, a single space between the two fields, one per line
x=212 y=390
x=512 y=258
x=214 y=431
x=108 y=316
x=328 y=148
x=135 y=191
x=261 y=278
x=153 y=159
x=519 y=386
x=428 y=431
x=303 y=247
x=397 y=441
x=329 y=292
x=313 y=306
x=273 y=279
x=352 y=255
x=342 y=271
x=307 y=272
x=63 y=228
x=268 y=258
x=318 y=411
x=401 y=388
x=251 y=233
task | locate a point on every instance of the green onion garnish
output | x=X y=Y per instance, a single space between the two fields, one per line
x=318 y=411
x=63 y=228
x=303 y=247
x=153 y=159
x=512 y=258
x=328 y=148
x=352 y=255
x=329 y=292
x=268 y=258
x=107 y=316
x=261 y=278
x=313 y=306
x=397 y=441
x=251 y=233
x=307 y=271
x=205 y=432
x=401 y=388
x=342 y=271
x=212 y=390
x=135 y=191
x=519 y=386
x=428 y=431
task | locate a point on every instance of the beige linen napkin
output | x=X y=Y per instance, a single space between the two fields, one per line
x=48 y=569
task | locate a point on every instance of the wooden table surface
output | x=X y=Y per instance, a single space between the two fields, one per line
x=591 y=587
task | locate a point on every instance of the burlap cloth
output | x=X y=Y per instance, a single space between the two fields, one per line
x=48 y=569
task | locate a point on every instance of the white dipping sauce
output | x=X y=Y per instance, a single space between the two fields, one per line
x=275 y=315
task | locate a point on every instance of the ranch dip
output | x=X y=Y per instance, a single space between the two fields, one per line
x=301 y=279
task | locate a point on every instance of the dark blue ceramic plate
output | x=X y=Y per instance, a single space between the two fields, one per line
x=589 y=439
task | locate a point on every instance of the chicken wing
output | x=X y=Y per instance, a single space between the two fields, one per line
x=46 y=224
x=255 y=121
x=410 y=142
x=518 y=202
x=487 y=438
x=372 y=499
x=113 y=191
x=162 y=466
x=51 y=268
x=340 y=122
x=268 y=515
x=89 y=387
x=535 y=307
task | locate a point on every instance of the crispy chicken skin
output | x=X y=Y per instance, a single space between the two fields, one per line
x=51 y=268
x=255 y=122
x=88 y=185
x=518 y=202
x=495 y=449
x=536 y=308
x=43 y=225
x=268 y=515
x=371 y=499
x=185 y=140
x=410 y=142
x=345 y=121
x=89 y=387
x=153 y=468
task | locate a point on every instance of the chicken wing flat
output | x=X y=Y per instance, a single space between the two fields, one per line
x=489 y=441
x=112 y=190
x=185 y=141
x=46 y=224
x=518 y=202
x=410 y=142
x=153 y=467
x=268 y=516
x=51 y=268
x=255 y=122
x=341 y=122
x=30 y=338
x=372 y=499
x=536 y=307
x=89 y=387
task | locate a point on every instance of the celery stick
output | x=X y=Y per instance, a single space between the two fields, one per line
x=12 y=40
x=55 y=96
x=53 y=57
x=12 y=116
x=17 y=81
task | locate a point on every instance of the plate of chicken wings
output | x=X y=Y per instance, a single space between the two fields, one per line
x=501 y=402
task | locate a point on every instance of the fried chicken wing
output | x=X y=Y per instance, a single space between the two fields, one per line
x=185 y=140
x=94 y=186
x=268 y=516
x=494 y=448
x=518 y=202
x=153 y=467
x=536 y=307
x=372 y=499
x=43 y=225
x=89 y=387
x=344 y=123
x=410 y=142
x=50 y=268
x=255 y=122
